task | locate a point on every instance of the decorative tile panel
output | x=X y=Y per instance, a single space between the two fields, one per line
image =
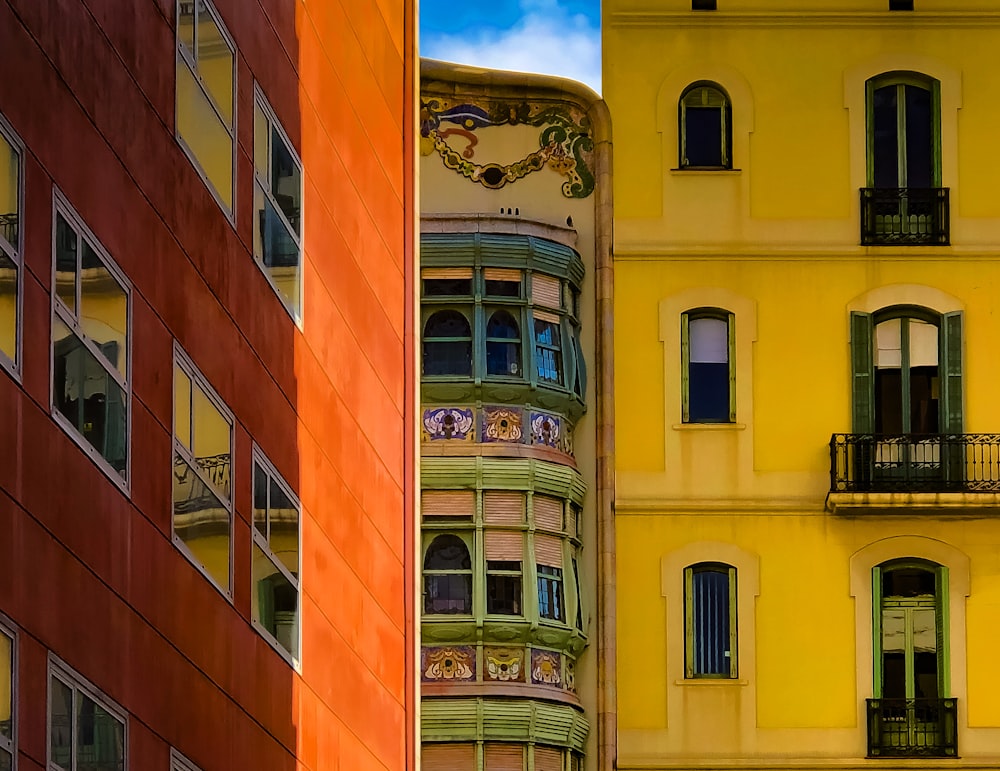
x=570 y=674
x=503 y=424
x=546 y=429
x=449 y=423
x=546 y=667
x=456 y=662
x=503 y=664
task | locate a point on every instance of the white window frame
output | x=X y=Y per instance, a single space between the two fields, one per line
x=15 y=252
x=191 y=61
x=61 y=206
x=180 y=763
x=182 y=360
x=79 y=684
x=8 y=628
x=262 y=542
x=260 y=100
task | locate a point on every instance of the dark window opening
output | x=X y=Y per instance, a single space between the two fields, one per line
x=447 y=287
x=705 y=128
x=900 y=5
x=503 y=345
x=710 y=620
x=550 y=593
x=447 y=344
x=503 y=588
x=447 y=577
x=702 y=5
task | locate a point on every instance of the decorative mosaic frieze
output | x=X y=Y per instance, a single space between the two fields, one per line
x=449 y=423
x=546 y=667
x=503 y=664
x=502 y=424
x=457 y=662
x=569 y=674
x=546 y=429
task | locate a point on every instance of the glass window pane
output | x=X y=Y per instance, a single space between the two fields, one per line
x=215 y=63
x=88 y=396
x=709 y=341
x=448 y=594
x=503 y=592
x=60 y=724
x=923 y=344
x=185 y=24
x=448 y=552
x=503 y=359
x=182 y=407
x=66 y=248
x=547 y=354
x=703 y=136
x=275 y=602
x=888 y=345
x=6 y=761
x=10 y=170
x=103 y=309
x=710 y=597
x=286 y=180
x=447 y=287
x=260 y=499
x=201 y=522
x=205 y=134
x=261 y=129
x=447 y=358
x=6 y=686
x=100 y=736
x=211 y=443
x=884 y=140
x=919 y=138
x=284 y=518
x=8 y=306
x=276 y=250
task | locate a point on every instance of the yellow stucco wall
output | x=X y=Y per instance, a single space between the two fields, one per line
x=776 y=241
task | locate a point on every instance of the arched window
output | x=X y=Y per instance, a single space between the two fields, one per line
x=710 y=621
x=705 y=129
x=708 y=366
x=447 y=576
x=447 y=344
x=503 y=345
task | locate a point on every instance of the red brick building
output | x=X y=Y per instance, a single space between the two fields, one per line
x=205 y=456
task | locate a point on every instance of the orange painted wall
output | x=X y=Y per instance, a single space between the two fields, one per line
x=92 y=575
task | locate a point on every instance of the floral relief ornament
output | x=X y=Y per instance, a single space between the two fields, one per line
x=502 y=425
x=448 y=423
x=545 y=667
x=504 y=664
x=454 y=663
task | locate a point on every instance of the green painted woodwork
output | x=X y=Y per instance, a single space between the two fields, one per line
x=501 y=250
x=951 y=373
x=686 y=318
x=509 y=720
x=689 y=628
x=903 y=79
x=862 y=373
x=877 y=632
x=943 y=625
x=477 y=472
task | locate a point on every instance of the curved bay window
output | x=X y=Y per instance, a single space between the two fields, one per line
x=705 y=129
x=447 y=344
x=710 y=621
x=448 y=576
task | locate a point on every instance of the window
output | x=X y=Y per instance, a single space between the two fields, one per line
x=702 y=5
x=706 y=132
x=277 y=221
x=202 y=479
x=90 y=344
x=710 y=621
x=448 y=576
x=180 y=763
x=907 y=364
x=87 y=732
x=900 y=5
x=493 y=299
x=275 y=565
x=504 y=553
x=8 y=696
x=206 y=89
x=11 y=196
x=708 y=371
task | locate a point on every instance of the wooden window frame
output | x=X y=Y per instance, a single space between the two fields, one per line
x=468 y=538
x=903 y=78
x=686 y=318
x=725 y=116
x=691 y=633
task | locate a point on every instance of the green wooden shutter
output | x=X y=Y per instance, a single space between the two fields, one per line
x=951 y=380
x=943 y=627
x=936 y=131
x=733 y=636
x=731 y=337
x=685 y=369
x=688 y=623
x=862 y=373
x=877 y=632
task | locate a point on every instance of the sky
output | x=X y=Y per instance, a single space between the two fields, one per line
x=554 y=37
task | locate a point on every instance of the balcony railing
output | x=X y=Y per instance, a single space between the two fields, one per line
x=915 y=463
x=912 y=728
x=905 y=216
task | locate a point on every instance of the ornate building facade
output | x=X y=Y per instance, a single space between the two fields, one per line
x=515 y=473
x=806 y=244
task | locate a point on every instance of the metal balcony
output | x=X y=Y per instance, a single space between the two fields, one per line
x=912 y=728
x=915 y=463
x=905 y=216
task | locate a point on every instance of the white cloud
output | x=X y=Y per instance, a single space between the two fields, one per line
x=547 y=39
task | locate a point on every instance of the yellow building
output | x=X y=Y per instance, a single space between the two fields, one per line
x=806 y=308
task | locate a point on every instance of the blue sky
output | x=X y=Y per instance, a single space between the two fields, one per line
x=555 y=37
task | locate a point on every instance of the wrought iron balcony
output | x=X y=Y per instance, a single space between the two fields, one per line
x=915 y=463
x=912 y=728
x=905 y=216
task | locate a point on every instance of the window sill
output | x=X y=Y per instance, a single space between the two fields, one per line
x=708 y=681
x=706 y=172
x=709 y=426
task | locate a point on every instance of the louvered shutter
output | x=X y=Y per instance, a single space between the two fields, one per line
x=446 y=273
x=546 y=291
x=943 y=625
x=877 y=631
x=504 y=757
x=548 y=759
x=448 y=757
x=862 y=373
x=548 y=512
x=685 y=368
x=501 y=507
x=502 y=274
x=502 y=546
x=951 y=381
x=571 y=520
x=731 y=338
x=548 y=551
x=448 y=503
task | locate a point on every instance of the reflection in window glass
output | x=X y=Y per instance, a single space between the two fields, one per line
x=83 y=733
x=202 y=507
x=275 y=557
x=9 y=282
x=60 y=724
x=205 y=91
x=10 y=191
x=447 y=577
x=10 y=259
x=503 y=345
x=447 y=344
x=6 y=700
x=90 y=343
x=277 y=207
x=550 y=593
x=548 y=355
